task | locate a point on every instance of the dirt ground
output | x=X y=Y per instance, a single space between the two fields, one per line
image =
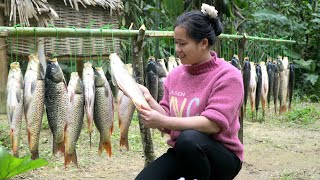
x=272 y=151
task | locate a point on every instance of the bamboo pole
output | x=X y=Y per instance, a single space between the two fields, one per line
x=137 y=63
x=3 y=68
x=83 y=32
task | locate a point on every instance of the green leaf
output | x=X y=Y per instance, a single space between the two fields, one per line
x=175 y=8
x=11 y=166
x=316 y=20
x=268 y=15
x=313 y=78
x=292 y=54
x=304 y=64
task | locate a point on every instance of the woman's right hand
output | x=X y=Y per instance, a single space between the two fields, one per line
x=146 y=93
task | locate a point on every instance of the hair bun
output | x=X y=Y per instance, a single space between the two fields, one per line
x=209 y=10
x=217 y=26
x=213 y=17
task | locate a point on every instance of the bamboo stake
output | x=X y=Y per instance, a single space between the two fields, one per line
x=137 y=62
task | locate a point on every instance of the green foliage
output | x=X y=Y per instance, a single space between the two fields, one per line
x=297 y=20
x=11 y=166
x=304 y=115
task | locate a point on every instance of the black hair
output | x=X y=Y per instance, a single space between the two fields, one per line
x=199 y=26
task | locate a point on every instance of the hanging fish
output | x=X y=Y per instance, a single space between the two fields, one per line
x=276 y=85
x=89 y=93
x=152 y=78
x=246 y=82
x=75 y=122
x=162 y=70
x=270 y=71
x=235 y=62
x=103 y=111
x=172 y=63
x=15 y=105
x=291 y=83
x=57 y=103
x=265 y=86
x=125 y=113
x=283 y=86
x=34 y=90
x=259 y=88
x=252 y=86
x=178 y=61
x=126 y=83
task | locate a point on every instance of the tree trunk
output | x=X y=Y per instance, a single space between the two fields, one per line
x=137 y=63
x=3 y=68
x=241 y=46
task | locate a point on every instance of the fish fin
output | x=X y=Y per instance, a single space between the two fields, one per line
x=283 y=109
x=124 y=142
x=33 y=86
x=11 y=111
x=14 y=144
x=68 y=158
x=113 y=80
x=19 y=95
x=111 y=130
x=106 y=146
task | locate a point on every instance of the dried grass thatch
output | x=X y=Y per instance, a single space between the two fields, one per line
x=42 y=9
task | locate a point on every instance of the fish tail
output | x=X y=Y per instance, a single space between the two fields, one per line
x=15 y=151
x=283 y=108
x=68 y=158
x=106 y=146
x=58 y=147
x=90 y=120
x=124 y=143
x=34 y=155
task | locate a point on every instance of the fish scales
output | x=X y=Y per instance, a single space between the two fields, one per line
x=57 y=104
x=259 y=88
x=276 y=85
x=75 y=122
x=125 y=113
x=291 y=83
x=152 y=78
x=15 y=105
x=103 y=111
x=122 y=79
x=246 y=81
x=34 y=103
x=270 y=71
x=89 y=93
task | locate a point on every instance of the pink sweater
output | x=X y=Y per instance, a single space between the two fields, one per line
x=213 y=89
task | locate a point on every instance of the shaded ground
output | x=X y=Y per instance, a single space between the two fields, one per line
x=272 y=151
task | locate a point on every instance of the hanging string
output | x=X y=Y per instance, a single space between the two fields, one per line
x=35 y=40
x=17 y=40
x=85 y=52
x=76 y=52
x=11 y=52
x=100 y=54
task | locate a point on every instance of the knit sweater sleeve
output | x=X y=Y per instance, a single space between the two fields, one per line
x=225 y=99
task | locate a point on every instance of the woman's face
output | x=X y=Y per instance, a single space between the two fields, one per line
x=188 y=50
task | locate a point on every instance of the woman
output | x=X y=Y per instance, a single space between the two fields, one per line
x=200 y=107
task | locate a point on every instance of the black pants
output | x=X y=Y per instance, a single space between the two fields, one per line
x=195 y=156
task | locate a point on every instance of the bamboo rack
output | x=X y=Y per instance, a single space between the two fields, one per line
x=84 y=32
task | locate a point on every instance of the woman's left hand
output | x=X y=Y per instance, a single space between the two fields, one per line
x=151 y=118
